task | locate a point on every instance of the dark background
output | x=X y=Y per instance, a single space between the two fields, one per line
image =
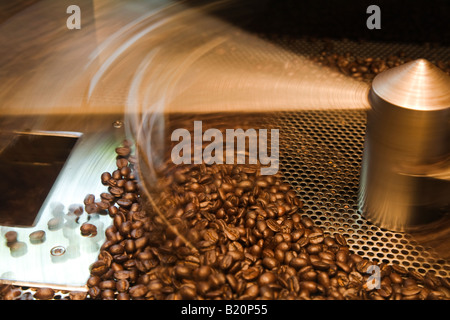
x=412 y=21
x=422 y=21
x=401 y=20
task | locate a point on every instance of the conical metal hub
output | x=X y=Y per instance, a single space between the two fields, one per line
x=418 y=84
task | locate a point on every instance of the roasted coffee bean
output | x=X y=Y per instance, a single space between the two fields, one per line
x=188 y=292
x=124 y=203
x=89 y=199
x=11 y=237
x=130 y=186
x=123 y=151
x=307 y=222
x=107 y=284
x=396 y=278
x=102 y=205
x=77 y=295
x=91 y=208
x=99 y=268
x=54 y=223
x=273 y=225
x=129 y=246
x=323 y=279
x=122 y=285
x=270 y=262
x=37 y=236
x=343 y=266
x=107 y=197
x=93 y=281
x=316 y=238
x=320 y=265
x=94 y=292
x=431 y=281
x=88 y=229
x=411 y=290
x=266 y=278
x=44 y=294
x=445 y=282
x=342 y=256
x=14 y=294
x=105 y=177
x=363 y=265
x=253 y=273
x=107 y=294
x=399 y=269
x=340 y=240
x=309 y=286
x=138 y=291
x=314 y=248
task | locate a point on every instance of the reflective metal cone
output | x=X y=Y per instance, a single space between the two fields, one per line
x=406 y=161
x=416 y=85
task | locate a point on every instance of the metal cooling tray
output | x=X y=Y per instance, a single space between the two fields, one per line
x=82 y=152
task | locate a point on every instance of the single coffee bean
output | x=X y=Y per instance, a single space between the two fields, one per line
x=107 y=284
x=203 y=272
x=123 y=296
x=77 y=295
x=107 y=197
x=399 y=269
x=188 y=292
x=105 y=178
x=270 y=262
x=124 y=203
x=307 y=222
x=266 y=278
x=99 y=268
x=323 y=279
x=11 y=236
x=309 y=286
x=37 y=236
x=91 y=208
x=340 y=240
x=314 y=248
x=44 y=294
x=123 y=151
x=396 y=278
x=342 y=256
x=94 y=292
x=89 y=199
x=138 y=291
x=385 y=291
x=54 y=223
x=122 y=285
x=411 y=290
x=117 y=249
x=14 y=293
x=88 y=229
x=343 y=266
x=320 y=265
x=316 y=238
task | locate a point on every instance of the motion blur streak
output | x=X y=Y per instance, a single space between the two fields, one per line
x=46 y=68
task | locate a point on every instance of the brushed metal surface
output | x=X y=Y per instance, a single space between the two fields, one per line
x=407 y=149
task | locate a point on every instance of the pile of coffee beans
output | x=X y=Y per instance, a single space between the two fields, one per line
x=226 y=232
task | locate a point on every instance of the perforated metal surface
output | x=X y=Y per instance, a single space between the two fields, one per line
x=320 y=156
